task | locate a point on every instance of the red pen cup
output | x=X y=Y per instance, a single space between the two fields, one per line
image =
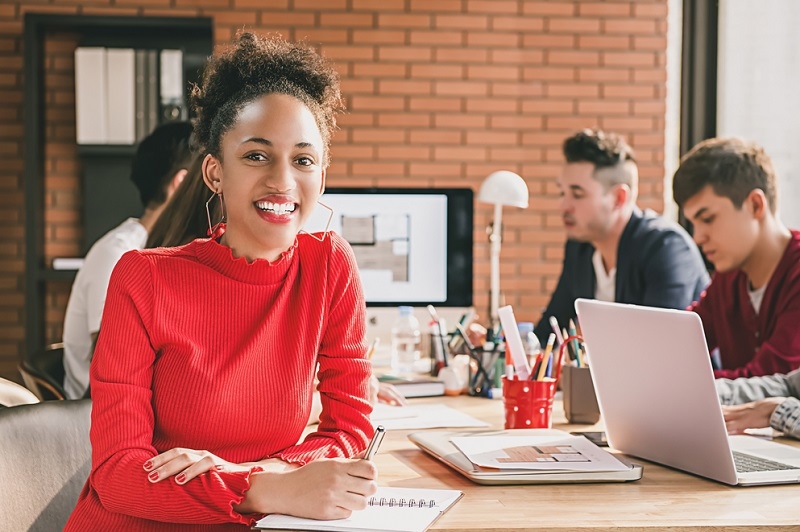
x=528 y=404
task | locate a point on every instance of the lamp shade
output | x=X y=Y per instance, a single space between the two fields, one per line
x=504 y=188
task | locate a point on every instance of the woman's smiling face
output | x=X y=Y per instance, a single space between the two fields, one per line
x=271 y=174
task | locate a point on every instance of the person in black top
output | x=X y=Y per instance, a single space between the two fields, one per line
x=616 y=251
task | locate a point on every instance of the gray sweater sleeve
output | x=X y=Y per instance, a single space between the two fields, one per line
x=746 y=389
x=786 y=418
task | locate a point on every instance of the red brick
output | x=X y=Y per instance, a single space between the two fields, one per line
x=404 y=53
x=461 y=22
x=378 y=135
x=655 y=107
x=578 y=90
x=404 y=87
x=492 y=7
x=604 y=42
x=657 y=75
x=322 y=5
x=348 y=52
x=516 y=57
x=346 y=20
x=378 y=169
x=448 y=6
x=558 y=57
x=492 y=105
x=417 y=103
x=276 y=5
x=453 y=153
x=381 y=36
x=436 y=37
x=493 y=40
x=658 y=43
x=548 y=41
x=288 y=18
x=656 y=10
x=379 y=70
x=461 y=88
x=632 y=59
x=437 y=71
x=638 y=26
x=630 y=123
x=573 y=25
x=436 y=170
x=604 y=74
x=628 y=91
x=515 y=122
x=548 y=8
x=517 y=90
x=435 y=136
x=461 y=55
x=410 y=120
x=460 y=120
x=383 y=5
x=548 y=106
x=377 y=103
x=503 y=138
x=521 y=24
x=492 y=73
x=404 y=153
x=548 y=73
x=404 y=21
x=604 y=9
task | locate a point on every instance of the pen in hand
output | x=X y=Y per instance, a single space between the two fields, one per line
x=372 y=448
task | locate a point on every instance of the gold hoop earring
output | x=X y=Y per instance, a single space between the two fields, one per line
x=327 y=225
x=212 y=229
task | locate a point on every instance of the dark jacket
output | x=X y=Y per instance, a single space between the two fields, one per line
x=658 y=265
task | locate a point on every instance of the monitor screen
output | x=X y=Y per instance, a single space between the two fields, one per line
x=413 y=245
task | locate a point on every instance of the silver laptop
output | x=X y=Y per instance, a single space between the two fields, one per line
x=655 y=388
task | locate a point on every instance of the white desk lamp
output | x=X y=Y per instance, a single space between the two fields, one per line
x=500 y=188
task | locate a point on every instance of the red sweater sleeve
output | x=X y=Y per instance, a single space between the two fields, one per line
x=123 y=422
x=344 y=372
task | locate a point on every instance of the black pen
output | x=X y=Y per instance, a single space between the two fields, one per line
x=372 y=448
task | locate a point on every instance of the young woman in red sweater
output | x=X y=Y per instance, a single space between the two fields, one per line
x=203 y=377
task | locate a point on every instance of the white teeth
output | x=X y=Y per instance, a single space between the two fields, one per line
x=277 y=208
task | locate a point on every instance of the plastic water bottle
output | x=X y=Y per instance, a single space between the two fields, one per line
x=529 y=340
x=405 y=341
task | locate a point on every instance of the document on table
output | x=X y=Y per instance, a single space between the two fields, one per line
x=421 y=417
x=548 y=452
x=389 y=510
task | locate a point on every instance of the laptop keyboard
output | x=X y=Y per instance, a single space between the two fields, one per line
x=746 y=463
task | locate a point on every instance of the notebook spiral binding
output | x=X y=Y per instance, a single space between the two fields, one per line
x=402 y=503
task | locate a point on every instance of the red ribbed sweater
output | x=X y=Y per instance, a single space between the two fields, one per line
x=204 y=351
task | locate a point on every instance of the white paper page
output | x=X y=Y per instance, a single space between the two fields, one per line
x=404 y=518
x=422 y=417
x=555 y=453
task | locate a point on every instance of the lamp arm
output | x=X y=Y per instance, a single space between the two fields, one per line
x=495 y=239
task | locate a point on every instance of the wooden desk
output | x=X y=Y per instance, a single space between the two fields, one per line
x=664 y=499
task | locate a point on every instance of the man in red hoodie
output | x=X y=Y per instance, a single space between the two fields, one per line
x=751 y=310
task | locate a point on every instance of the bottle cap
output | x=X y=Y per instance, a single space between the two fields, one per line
x=405 y=310
x=524 y=327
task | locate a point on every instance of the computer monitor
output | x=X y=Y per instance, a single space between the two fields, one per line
x=413 y=246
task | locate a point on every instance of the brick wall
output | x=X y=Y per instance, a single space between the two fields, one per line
x=439 y=92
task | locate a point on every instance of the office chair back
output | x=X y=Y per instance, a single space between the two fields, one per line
x=45 y=460
x=43 y=373
x=12 y=394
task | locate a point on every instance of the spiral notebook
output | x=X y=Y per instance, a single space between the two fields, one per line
x=389 y=510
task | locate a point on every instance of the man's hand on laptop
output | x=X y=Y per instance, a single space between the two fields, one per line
x=753 y=415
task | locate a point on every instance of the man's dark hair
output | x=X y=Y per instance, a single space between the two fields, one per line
x=601 y=149
x=160 y=156
x=733 y=167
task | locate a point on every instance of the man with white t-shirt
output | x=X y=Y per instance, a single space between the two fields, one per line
x=159 y=166
x=615 y=251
